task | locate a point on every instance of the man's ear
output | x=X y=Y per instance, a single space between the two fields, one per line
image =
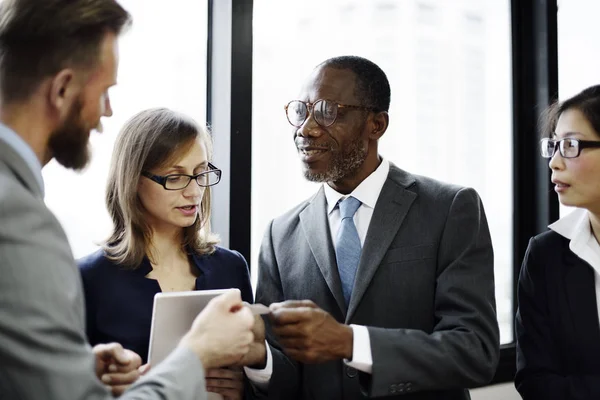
x=63 y=90
x=379 y=125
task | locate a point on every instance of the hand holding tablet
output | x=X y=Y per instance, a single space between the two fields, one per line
x=175 y=313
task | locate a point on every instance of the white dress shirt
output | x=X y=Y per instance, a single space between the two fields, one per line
x=367 y=192
x=19 y=145
x=576 y=227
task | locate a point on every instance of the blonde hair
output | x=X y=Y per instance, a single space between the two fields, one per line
x=150 y=139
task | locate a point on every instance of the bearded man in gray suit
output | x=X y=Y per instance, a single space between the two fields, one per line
x=58 y=59
x=381 y=284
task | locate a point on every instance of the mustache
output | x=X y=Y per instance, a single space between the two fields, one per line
x=303 y=143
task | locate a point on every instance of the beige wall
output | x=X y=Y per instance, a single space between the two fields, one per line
x=505 y=391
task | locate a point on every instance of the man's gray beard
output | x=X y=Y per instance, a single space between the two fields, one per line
x=342 y=166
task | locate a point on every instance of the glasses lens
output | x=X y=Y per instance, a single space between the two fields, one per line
x=296 y=112
x=569 y=148
x=209 y=178
x=174 y=182
x=547 y=148
x=325 y=112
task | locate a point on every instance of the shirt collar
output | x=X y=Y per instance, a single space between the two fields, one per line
x=576 y=227
x=367 y=191
x=21 y=147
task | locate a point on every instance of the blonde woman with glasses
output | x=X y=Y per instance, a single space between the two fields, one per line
x=557 y=324
x=158 y=197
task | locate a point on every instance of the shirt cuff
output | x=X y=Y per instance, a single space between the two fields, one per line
x=362 y=358
x=261 y=377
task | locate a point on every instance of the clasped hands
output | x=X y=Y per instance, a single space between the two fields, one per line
x=309 y=334
x=306 y=332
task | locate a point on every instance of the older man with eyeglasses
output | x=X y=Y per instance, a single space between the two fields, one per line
x=382 y=283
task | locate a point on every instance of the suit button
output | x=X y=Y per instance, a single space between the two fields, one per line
x=351 y=372
x=400 y=388
x=392 y=388
x=408 y=387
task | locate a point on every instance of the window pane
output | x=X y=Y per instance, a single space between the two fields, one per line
x=449 y=67
x=162 y=64
x=578 y=51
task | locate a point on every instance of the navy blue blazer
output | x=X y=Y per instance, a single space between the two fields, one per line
x=119 y=301
x=558 y=332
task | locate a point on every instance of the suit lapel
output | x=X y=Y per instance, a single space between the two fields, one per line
x=392 y=206
x=315 y=224
x=581 y=297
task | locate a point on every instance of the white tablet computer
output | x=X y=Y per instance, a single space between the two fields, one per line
x=172 y=316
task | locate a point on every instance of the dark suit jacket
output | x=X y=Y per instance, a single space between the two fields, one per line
x=424 y=289
x=558 y=334
x=119 y=301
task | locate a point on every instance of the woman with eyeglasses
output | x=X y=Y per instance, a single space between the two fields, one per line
x=158 y=197
x=557 y=323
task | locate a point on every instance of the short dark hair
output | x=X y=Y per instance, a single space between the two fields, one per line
x=38 y=38
x=372 y=85
x=587 y=101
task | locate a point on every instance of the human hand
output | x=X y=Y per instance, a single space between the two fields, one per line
x=222 y=333
x=228 y=382
x=116 y=367
x=309 y=334
x=257 y=354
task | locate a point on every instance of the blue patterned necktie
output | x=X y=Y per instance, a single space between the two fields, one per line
x=348 y=248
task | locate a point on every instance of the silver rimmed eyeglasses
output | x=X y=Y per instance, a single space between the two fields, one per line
x=325 y=112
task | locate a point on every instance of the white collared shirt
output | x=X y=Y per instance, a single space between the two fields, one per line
x=367 y=192
x=576 y=227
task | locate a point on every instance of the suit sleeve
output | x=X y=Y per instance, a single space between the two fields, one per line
x=539 y=372
x=463 y=349
x=43 y=349
x=286 y=379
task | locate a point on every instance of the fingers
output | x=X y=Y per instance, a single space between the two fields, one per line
x=224 y=384
x=107 y=351
x=228 y=394
x=229 y=301
x=246 y=317
x=228 y=382
x=144 y=368
x=114 y=353
x=115 y=379
x=258 y=329
x=293 y=304
x=291 y=331
x=225 y=373
x=118 y=390
x=284 y=316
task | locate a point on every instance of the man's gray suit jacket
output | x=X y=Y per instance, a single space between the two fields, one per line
x=43 y=349
x=424 y=288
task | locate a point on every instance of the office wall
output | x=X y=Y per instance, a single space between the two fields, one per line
x=505 y=391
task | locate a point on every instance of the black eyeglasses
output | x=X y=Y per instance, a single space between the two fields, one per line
x=568 y=147
x=325 y=112
x=181 y=181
